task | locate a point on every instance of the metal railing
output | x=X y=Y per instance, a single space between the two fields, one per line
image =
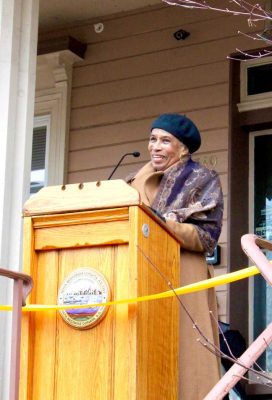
x=252 y=245
x=22 y=286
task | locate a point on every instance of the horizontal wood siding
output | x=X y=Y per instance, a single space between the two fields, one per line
x=134 y=71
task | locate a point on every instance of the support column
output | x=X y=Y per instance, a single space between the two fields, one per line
x=18 y=49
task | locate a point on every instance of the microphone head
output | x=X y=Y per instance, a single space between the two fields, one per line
x=136 y=154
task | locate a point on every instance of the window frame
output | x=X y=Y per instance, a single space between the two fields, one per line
x=255 y=101
x=251 y=216
x=50 y=102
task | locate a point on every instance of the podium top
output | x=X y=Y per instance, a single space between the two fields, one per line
x=81 y=197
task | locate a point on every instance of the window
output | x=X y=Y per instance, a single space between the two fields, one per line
x=256 y=84
x=259 y=79
x=39 y=161
x=260 y=184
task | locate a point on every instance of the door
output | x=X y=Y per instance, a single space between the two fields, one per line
x=260 y=218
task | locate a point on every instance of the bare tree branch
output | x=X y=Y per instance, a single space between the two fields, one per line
x=254 y=13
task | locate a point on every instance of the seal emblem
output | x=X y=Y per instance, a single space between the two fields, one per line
x=84 y=286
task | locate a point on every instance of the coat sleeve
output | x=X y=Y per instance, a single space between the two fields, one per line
x=187 y=235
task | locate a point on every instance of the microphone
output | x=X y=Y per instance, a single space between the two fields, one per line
x=134 y=154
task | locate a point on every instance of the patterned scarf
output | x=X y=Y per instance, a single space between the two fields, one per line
x=191 y=193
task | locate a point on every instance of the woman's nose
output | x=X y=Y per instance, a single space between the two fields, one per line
x=157 y=145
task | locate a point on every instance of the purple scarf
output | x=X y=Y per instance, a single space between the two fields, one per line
x=191 y=193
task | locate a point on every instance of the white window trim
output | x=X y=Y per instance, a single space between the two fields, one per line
x=51 y=104
x=256 y=101
x=55 y=101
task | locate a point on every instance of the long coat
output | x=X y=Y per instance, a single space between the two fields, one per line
x=199 y=368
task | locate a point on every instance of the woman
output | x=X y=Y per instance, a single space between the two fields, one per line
x=188 y=197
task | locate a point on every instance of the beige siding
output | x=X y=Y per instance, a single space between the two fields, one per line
x=134 y=71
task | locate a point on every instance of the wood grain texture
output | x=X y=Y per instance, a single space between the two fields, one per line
x=43 y=329
x=84 y=196
x=26 y=360
x=79 y=218
x=85 y=235
x=157 y=355
x=123 y=357
x=85 y=357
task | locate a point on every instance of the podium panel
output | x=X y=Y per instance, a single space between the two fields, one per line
x=130 y=354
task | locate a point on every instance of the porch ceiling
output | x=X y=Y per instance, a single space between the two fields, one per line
x=59 y=13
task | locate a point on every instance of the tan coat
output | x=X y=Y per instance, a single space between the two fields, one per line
x=199 y=368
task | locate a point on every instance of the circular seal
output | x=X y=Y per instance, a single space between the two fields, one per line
x=84 y=286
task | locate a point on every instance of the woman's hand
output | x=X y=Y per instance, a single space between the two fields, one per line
x=171 y=215
x=158 y=214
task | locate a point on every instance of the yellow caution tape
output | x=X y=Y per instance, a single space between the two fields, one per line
x=194 y=287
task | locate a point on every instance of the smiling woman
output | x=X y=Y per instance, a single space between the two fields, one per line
x=165 y=149
x=188 y=197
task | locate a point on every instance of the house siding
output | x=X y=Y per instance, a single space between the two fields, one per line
x=134 y=70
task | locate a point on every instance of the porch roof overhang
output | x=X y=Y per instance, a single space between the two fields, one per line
x=53 y=15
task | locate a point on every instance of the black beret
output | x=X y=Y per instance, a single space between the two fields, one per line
x=181 y=127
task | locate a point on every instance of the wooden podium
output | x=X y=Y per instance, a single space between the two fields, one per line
x=132 y=353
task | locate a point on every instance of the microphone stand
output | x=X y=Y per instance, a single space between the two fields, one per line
x=134 y=154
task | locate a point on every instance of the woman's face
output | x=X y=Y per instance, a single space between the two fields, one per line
x=164 y=148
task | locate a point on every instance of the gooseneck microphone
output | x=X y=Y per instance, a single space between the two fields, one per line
x=134 y=154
